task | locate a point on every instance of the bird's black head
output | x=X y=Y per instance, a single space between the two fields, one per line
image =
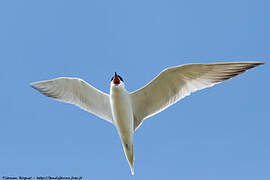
x=117 y=79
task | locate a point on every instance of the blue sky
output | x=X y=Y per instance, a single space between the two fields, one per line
x=217 y=133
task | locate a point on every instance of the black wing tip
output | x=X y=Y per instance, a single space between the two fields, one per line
x=254 y=64
x=238 y=72
x=258 y=63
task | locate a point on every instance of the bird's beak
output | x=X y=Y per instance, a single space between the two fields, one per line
x=116 y=80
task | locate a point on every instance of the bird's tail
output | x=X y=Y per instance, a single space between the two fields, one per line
x=130 y=156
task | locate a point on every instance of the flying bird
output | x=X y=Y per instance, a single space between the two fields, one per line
x=125 y=110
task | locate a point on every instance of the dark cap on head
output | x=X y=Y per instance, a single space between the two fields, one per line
x=116 y=78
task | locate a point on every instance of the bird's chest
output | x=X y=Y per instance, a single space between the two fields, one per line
x=122 y=110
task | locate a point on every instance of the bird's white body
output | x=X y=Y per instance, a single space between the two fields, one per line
x=123 y=119
x=128 y=110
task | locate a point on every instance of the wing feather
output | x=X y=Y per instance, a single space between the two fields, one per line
x=175 y=83
x=77 y=91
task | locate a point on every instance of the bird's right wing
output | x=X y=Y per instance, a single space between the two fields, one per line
x=175 y=83
x=77 y=91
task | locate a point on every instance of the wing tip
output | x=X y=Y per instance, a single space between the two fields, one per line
x=43 y=90
x=260 y=63
x=254 y=64
x=33 y=85
x=247 y=66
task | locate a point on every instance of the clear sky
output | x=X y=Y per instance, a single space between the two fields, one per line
x=217 y=133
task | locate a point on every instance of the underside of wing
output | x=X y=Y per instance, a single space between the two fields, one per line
x=78 y=92
x=175 y=83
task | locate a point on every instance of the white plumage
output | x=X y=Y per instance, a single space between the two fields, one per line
x=128 y=110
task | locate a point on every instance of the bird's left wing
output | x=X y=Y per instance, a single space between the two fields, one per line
x=175 y=83
x=77 y=91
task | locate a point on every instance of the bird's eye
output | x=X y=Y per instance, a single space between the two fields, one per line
x=120 y=78
x=112 y=78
